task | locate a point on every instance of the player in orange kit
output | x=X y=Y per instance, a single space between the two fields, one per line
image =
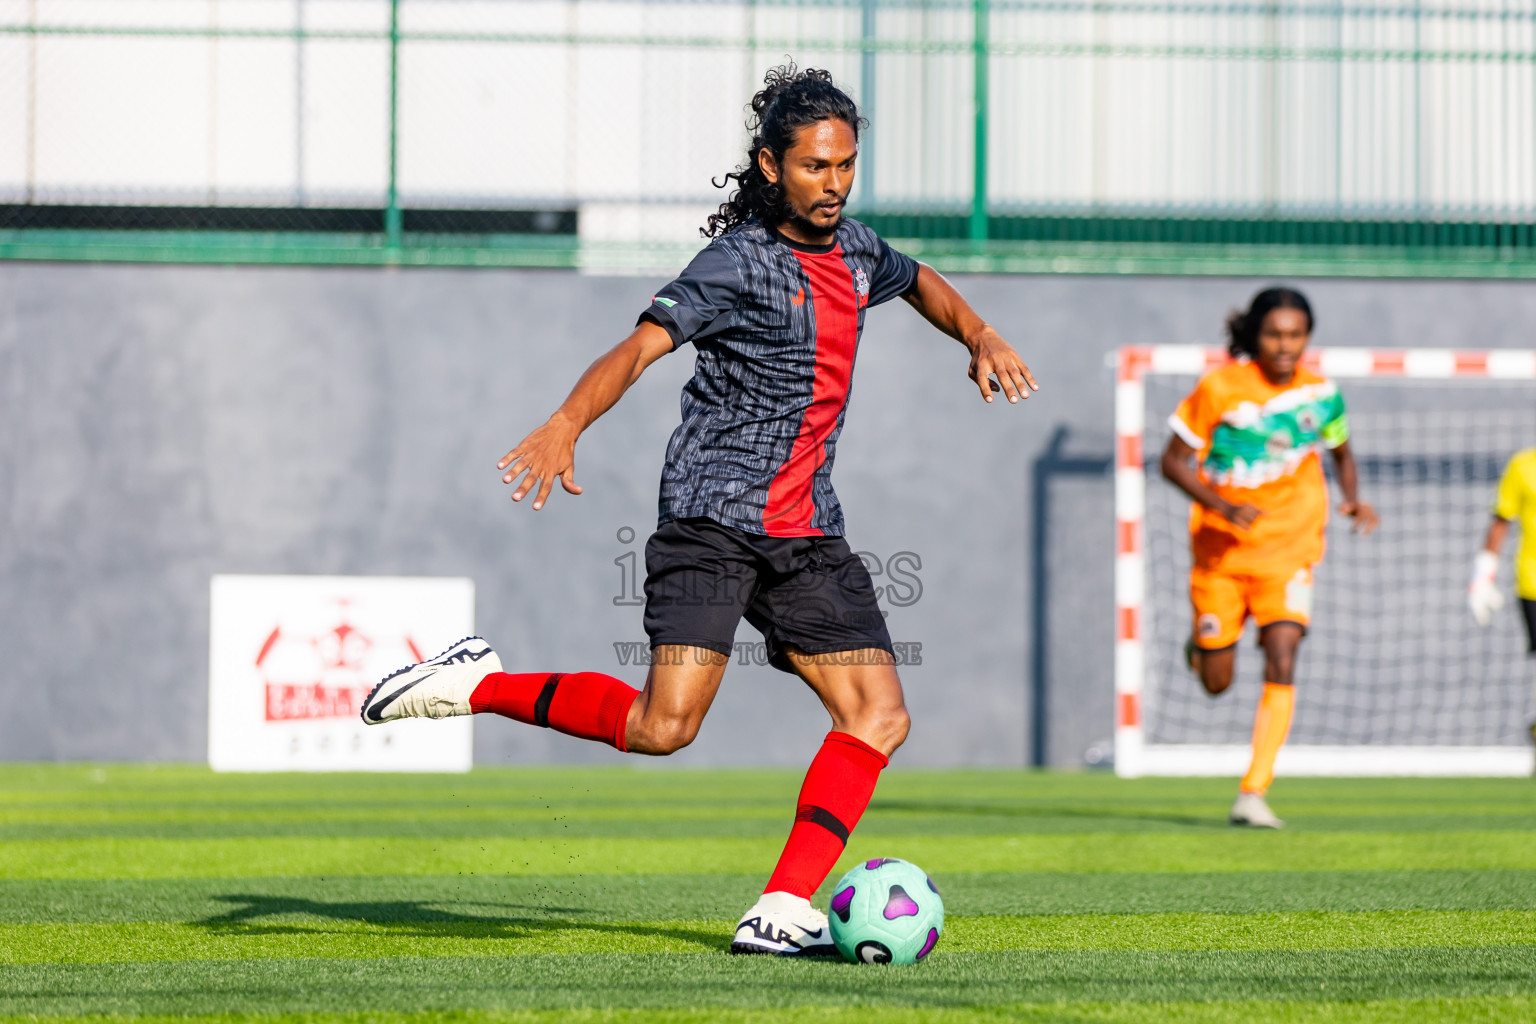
x=1245 y=447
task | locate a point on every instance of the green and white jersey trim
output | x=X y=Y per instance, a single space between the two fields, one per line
x=1257 y=444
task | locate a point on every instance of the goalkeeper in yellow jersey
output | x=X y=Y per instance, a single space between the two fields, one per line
x=1516 y=500
x=1255 y=427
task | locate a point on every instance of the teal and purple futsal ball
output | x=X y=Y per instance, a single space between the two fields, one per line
x=886 y=911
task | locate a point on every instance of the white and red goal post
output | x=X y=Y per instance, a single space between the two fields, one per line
x=1133 y=754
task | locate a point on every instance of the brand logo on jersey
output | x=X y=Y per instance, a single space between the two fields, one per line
x=799 y=298
x=669 y=303
x=861 y=285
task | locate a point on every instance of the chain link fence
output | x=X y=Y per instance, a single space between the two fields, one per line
x=1001 y=129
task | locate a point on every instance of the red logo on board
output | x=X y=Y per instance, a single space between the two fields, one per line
x=309 y=677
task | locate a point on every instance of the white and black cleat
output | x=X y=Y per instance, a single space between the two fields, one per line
x=1251 y=810
x=439 y=688
x=782 y=924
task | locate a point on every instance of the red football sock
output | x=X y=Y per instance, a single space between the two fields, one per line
x=586 y=704
x=837 y=788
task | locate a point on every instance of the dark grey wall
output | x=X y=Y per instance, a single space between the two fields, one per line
x=159 y=424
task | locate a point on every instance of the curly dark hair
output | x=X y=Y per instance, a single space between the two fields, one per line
x=1243 y=327
x=789 y=100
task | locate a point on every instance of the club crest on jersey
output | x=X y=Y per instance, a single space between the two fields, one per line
x=861 y=285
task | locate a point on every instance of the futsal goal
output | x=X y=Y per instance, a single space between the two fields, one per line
x=1395 y=677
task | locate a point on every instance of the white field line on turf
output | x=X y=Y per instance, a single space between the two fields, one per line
x=1190 y=759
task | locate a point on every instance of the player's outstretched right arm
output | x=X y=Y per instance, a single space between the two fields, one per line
x=549 y=453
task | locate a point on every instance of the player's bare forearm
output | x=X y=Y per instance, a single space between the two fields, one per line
x=549 y=452
x=606 y=380
x=1179 y=470
x=941 y=305
x=1349 y=475
x=1498 y=529
x=1364 y=515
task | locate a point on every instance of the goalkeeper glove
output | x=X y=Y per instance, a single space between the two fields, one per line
x=1483 y=595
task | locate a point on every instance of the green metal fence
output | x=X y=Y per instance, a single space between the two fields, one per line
x=1023 y=135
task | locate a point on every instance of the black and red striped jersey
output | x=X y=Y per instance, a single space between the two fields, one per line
x=776 y=325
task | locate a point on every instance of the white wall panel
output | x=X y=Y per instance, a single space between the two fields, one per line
x=1354 y=111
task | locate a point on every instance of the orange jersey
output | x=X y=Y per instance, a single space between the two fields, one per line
x=1258 y=445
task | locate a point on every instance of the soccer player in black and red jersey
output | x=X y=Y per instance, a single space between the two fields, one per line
x=774 y=307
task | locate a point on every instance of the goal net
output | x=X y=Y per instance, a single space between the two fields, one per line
x=1394 y=678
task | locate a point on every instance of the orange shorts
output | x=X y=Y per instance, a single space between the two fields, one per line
x=1223 y=602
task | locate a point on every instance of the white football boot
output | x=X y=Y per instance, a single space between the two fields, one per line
x=439 y=688
x=1250 y=809
x=783 y=924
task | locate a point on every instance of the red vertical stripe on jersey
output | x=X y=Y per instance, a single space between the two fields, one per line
x=790 y=507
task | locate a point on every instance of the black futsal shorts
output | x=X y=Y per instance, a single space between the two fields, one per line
x=1528 y=609
x=811 y=594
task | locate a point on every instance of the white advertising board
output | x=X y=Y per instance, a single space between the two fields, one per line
x=291 y=659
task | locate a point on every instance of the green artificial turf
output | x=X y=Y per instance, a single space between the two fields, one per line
x=507 y=896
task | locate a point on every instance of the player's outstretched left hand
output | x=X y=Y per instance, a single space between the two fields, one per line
x=991 y=356
x=1364 y=516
